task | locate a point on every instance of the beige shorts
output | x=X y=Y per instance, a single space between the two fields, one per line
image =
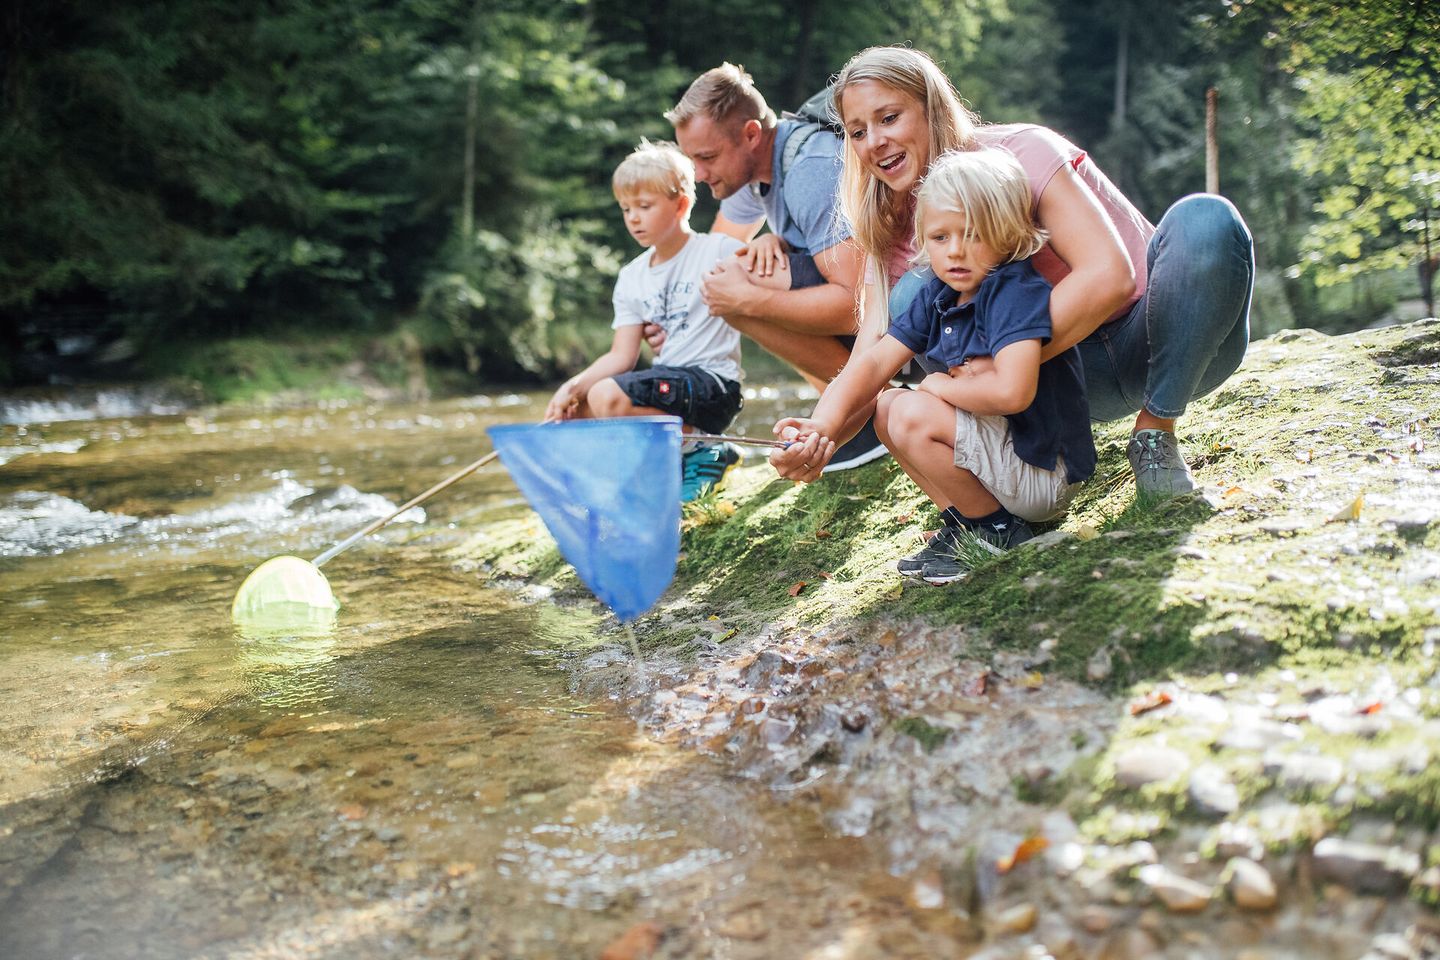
x=982 y=446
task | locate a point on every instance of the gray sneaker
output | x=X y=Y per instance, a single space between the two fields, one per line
x=1160 y=471
x=940 y=546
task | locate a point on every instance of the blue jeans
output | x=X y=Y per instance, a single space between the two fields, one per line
x=1189 y=330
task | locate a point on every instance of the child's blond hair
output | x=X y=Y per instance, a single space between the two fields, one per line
x=657 y=166
x=988 y=186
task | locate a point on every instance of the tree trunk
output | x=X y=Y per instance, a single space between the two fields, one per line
x=795 y=90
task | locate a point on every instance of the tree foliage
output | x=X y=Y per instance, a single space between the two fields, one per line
x=189 y=170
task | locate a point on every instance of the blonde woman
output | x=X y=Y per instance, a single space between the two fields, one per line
x=1160 y=315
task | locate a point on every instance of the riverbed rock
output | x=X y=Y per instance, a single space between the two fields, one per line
x=1149 y=763
x=1179 y=893
x=1364 y=867
x=1211 y=792
x=1250 y=884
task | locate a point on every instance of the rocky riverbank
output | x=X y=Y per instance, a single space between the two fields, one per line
x=1205 y=727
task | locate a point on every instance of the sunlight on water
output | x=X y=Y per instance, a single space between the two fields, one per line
x=414 y=778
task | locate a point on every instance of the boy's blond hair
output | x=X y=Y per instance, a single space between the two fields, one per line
x=726 y=95
x=988 y=186
x=657 y=166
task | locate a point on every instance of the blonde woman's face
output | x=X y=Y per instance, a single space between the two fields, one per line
x=888 y=131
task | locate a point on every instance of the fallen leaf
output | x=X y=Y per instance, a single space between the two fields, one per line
x=1153 y=700
x=1033 y=680
x=713 y=616
x=729 y=634
x=1370 y=708
x=1234 y=491
x=822 y=534
x=978 y=686
x=824 y=575
x=1350 y=511
x=796 y=587
x=637 y=943
x=903 y=518
x=1083 y=531
x=352 y=811
x=1024 y=850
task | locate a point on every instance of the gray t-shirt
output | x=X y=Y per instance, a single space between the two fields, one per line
x=802 y=205
x=669 y=295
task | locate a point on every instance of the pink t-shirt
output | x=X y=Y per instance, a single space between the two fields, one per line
x=1042 y=152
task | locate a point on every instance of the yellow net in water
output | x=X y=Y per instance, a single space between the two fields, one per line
x=285 y=592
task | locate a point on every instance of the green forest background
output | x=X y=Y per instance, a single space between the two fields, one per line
x=214 y=189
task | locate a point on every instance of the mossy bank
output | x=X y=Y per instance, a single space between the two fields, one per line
x=1246 y=672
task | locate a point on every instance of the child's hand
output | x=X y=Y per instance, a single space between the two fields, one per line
x=565 y=404
x=808 y=453
x=764 y=255
x=974 y=367
x=937 y=385
x=654 y=335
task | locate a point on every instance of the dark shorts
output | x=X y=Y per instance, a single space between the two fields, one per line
x=698 y=398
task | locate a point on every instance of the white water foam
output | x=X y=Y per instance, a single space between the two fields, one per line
x=34 y=523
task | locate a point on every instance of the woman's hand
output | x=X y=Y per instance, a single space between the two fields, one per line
x=764 y=255
x=808 y=453
x=565 y=404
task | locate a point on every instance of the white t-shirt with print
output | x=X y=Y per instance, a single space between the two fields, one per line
x=669 y=295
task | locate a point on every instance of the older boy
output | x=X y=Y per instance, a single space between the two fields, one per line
x=697 y=372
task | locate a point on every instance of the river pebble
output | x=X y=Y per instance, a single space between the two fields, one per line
x=1365 y=868
x=1146 y=764
x=1180 y=894
x=1250 y=884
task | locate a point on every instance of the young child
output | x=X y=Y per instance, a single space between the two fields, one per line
x=996 y=439
x=697 y=373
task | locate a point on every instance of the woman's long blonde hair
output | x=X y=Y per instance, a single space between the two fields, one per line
x=879 y=218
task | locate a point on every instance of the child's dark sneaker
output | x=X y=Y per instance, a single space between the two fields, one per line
x=939 y=546
x=1160 y=471
x=704 y=469
x=970 y=546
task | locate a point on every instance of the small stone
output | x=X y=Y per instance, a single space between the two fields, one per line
x=1302 y=771
x=1363 y=867
x=1238 y=840
x=1211 y=792
x=1017 y=919
x=1100 y=665
x=1179 y=894
x=1147 y=764
x=1064 y=858
x=1256 y=735
x=1132 y=944
x=1096 y=919
x=1250 y=885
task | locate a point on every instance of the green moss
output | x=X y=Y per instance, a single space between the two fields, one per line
x=928 y=736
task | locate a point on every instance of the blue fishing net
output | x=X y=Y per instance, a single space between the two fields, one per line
x=609 y=492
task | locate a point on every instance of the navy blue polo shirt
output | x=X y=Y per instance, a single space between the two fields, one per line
x=1011 y=304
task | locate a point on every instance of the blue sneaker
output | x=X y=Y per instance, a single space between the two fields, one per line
x=704 y=469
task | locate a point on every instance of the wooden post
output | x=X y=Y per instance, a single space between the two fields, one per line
x=1212 y=145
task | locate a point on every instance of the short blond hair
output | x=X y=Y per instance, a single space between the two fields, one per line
x=990 y=187
x=658 y=166
x=726 y=95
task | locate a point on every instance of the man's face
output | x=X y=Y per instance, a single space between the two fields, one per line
x=724 y=155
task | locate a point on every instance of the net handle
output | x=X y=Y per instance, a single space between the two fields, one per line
x=356 y=537
x=753 y=441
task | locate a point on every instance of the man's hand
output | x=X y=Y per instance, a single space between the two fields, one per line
x=808 y=453
x=764 y=255
x=729 y=292
x=654 y=335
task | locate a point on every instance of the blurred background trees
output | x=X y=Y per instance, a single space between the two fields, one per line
x=187 y=173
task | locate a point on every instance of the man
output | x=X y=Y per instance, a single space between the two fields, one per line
x=786 y=173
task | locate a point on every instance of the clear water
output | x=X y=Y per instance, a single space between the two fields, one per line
x=420 y=782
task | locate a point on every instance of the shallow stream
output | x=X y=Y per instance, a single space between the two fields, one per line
x=421 y=782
